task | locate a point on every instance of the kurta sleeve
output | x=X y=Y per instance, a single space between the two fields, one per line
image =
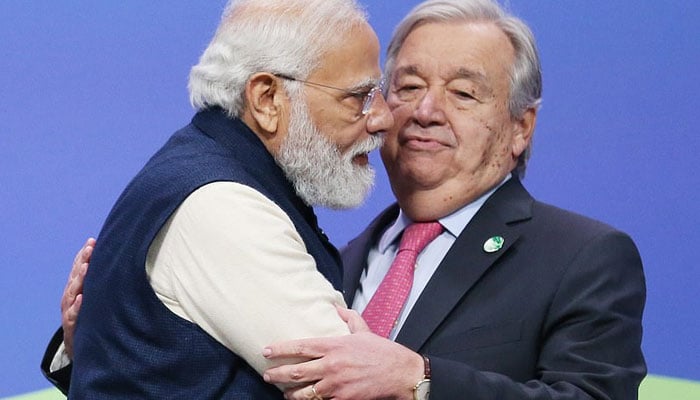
x=231 y=261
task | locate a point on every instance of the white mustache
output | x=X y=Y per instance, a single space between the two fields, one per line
x=366 y=146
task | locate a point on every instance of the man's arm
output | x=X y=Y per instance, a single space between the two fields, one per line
x=231 y=261
x=241 y=272
x=55 y=364
x=591 y=345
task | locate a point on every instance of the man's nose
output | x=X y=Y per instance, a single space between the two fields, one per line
x=379 y=118
x=430 y=109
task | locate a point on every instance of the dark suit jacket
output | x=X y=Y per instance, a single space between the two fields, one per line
x=554 y=314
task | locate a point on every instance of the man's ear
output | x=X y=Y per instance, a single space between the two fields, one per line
x=524 y=127
x=265 y=101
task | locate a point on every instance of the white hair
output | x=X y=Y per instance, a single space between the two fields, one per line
x=278 y=36
x=526 y=72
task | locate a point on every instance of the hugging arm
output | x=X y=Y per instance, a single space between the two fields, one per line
x=56 y=361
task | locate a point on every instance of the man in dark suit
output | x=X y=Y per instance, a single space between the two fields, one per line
x=515 y=299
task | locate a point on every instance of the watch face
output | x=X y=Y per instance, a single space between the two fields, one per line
x=422 y=390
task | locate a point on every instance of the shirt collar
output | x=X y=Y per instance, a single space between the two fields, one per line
x=453 y=223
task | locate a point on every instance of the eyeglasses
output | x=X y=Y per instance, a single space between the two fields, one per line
x=366 y=95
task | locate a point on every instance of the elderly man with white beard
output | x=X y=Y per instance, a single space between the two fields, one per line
x=213 y=250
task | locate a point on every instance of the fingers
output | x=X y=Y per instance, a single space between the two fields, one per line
x=69 y=319
x=72 y=297
x=295 y=375
x=71 y=314
x=353 y=319
x=302 y=348
x=310 y=392
x=74 y=286
x=83 y=255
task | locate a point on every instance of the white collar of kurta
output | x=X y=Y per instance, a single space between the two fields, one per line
x=453 y=223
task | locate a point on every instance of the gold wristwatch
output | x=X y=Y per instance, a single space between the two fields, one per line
x=422 y=389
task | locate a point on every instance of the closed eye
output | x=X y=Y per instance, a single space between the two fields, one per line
x=359 y=94
x=464 y=95
x=408 y=88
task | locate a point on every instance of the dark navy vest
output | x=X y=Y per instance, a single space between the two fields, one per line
x=128 y=344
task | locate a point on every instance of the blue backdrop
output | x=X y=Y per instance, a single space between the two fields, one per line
x=88 y=90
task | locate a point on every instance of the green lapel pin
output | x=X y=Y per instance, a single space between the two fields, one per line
x=493 y=244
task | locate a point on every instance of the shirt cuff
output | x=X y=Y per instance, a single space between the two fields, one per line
x=60 y=359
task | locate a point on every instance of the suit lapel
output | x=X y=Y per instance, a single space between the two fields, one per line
x=466 y=261
x=354 y=255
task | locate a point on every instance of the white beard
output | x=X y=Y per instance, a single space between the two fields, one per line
x=320 y=174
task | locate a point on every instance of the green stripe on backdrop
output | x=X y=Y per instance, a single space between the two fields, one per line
x=654 y=387
x=48 y=394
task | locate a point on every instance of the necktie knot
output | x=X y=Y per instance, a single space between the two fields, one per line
x=417 y=235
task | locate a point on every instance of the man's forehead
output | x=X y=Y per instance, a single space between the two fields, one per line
x=359 y=73
x=473 y=50
x=354 y=62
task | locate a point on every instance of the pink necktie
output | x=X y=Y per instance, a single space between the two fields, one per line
x=383 y=309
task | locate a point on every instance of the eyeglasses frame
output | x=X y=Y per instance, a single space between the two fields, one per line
x=367 y=101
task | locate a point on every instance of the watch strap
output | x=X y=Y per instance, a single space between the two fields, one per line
x=426 y=367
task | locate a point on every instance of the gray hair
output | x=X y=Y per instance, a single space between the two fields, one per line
x=278 y=36
x=526 y=73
